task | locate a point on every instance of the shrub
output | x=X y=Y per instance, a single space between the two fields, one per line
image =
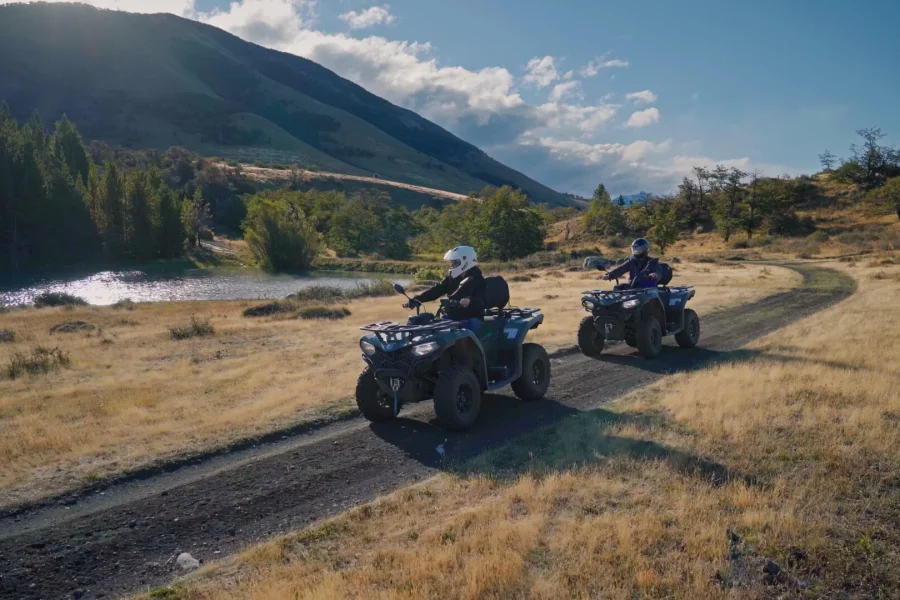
x=739 y=244
x=196 y=328
x=206 y=234
x=279 y=234
x=40 y=360
x=269 y=309
x=429 y=274
x=52 y=299
x=819 y=237
x=520 y=278
x=324 y=312
x=7 y=336
x=332 y=293
x=72 y=327
x=124 y=304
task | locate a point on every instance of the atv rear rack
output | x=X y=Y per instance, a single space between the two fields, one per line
x=511 y=312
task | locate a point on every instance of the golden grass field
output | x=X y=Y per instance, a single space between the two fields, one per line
x=789 y=452
x=132 y=395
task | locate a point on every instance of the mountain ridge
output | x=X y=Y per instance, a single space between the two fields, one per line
x=153 y=81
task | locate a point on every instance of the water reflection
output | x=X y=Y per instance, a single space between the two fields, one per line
x=108 y=287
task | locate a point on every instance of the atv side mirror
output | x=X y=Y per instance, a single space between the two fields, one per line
x=399 y=289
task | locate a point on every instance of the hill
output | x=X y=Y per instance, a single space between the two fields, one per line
x=154 y=81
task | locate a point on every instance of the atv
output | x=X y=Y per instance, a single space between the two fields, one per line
x=433 y=357
x=639 y=316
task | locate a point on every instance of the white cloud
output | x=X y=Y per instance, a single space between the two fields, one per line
x=643 y=118
x=541 y=71
x=644 y=97
x=371 y=17
x=569 y=89
x=267 y=22
x=601 y=62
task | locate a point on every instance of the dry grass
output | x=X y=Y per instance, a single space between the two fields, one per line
x=133 y=395
x=687 y=489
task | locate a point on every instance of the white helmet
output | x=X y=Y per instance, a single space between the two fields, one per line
x=462 y=258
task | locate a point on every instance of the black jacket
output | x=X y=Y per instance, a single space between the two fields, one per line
x=638 y=268
x=468 y=285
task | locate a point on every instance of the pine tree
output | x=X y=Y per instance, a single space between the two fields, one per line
x=68 y=148
x=170 y=231
x=113 y=221
x=193 y=213
x=139 y=233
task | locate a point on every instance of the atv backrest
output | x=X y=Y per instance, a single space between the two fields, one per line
x=665 y=274
x=496 y=292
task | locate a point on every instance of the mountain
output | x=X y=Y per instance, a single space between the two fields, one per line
x=154 y=81
x=639 y=197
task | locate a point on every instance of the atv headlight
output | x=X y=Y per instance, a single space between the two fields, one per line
x=367 y=348
x=425 y=349
x=630 y=303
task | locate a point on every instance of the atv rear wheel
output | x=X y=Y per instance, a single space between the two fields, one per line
x=649 y=338
x=590 y=341
x=457 y=398
x=535 y=378
x=375 y=405
x=690 y=335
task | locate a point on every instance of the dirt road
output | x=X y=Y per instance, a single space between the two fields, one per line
x=125 y=539
x=264 y=174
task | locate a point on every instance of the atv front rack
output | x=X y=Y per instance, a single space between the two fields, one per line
x=390 y=331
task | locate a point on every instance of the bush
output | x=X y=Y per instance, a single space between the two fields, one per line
x=739 y=244
x=196 y=328
x=429 y=274
x=52 y=299
x=279 y=234
x=323 y=312
x=39 y=361
x=520 y=278
x=269 y=309
x=72 y=327
x=7 y=336
x=819 y=237
x=206 y=234
x=124 y=304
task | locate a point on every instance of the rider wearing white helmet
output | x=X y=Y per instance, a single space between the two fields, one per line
x=464 y=282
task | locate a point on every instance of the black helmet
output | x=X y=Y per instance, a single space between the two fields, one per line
x=640 y=247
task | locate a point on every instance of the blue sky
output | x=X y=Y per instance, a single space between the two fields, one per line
x=761 y=85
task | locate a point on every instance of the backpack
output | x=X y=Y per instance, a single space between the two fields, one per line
x=665 y=274
x=496 y=292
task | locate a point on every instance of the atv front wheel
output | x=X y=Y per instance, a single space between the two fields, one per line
x=535 y=378
x=649 y=338
x=375 y=405
x=590 y=341
x=457 y=398
x=690 y=335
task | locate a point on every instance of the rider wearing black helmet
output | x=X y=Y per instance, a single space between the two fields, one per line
x=643 y=271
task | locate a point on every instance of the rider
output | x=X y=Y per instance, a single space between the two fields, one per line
x=464 y=283
x=643 y=271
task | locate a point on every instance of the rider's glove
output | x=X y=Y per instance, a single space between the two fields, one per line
x=413 y=303
x=606 y=277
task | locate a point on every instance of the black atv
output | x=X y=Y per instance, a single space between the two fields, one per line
x=442 y=359
x=639 y=316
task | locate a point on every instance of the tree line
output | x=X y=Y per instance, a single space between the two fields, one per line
x=285 y=229
x=62 y=203
x=726 y=199
x=874 y=167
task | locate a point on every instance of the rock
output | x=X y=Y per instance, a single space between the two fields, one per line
x=187 y=562
x=675 y=260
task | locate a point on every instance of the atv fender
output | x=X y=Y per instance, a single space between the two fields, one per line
x=654 y=309
x=464 y=347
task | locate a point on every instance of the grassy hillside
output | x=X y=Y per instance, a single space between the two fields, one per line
x=153 y=81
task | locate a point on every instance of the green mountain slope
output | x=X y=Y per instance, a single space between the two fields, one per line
x=152 y=81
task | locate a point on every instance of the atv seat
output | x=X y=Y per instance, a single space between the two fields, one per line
x=496 y=294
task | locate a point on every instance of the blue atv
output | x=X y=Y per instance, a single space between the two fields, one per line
x=640 y=317
x=433 y=357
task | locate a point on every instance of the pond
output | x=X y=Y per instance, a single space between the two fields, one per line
x=161 y=284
